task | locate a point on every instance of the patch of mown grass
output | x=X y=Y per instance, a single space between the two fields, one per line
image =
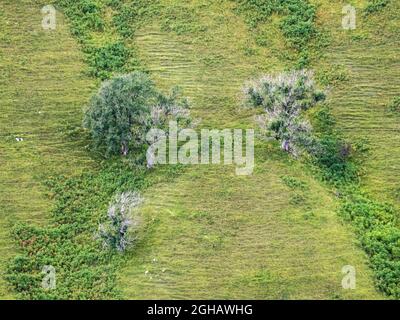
x=181 y=20
x=294 y=183
x=332 y=76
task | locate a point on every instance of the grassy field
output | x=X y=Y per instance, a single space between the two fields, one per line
x=223 y=236
x=214 y=234
x=42 y=92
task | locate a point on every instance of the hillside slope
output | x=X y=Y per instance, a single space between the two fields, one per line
x=223 y=236
x=42 y=92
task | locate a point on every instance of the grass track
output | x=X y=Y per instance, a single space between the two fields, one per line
x=42 y=90
x=223 y=236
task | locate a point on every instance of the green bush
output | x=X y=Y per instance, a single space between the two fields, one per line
x=123 y=111
x=285 y=98
x=297 y=25
x=85 y=16
x=335 y=157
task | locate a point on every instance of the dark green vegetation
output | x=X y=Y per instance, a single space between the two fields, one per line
x=377 y=226
x=337 y=159
x=376 y=223
x=84 y=269
x=297 y=23
x=208 y=233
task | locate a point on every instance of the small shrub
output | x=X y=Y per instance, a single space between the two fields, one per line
x=338 y=159
x=121 y=227
x=298 y=26
x=377 y=227
x=334 y=157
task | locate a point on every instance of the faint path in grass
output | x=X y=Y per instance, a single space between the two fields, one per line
x=217 y=235
x=42 y=90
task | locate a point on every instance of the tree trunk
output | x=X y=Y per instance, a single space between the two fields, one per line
x=124 y=149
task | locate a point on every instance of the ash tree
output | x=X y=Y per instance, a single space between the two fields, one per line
x=120 y=114
x=284 y=99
